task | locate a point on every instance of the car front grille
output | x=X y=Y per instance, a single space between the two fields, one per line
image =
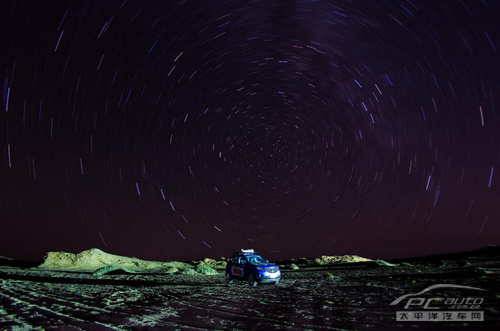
x=272 y=269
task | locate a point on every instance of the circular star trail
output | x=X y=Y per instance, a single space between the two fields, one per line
x=181 y=129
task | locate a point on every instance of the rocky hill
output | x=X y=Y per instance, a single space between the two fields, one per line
x=99 y=262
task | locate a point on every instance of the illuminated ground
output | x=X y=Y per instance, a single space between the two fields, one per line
x=344 y=296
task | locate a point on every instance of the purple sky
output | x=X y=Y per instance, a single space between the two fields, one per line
x=181 y=129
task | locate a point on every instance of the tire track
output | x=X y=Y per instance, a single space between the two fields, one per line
x=17 y=322
x=80 y=324
x=192 y=306
x=256 y=319
x=136 y=311
x=37 y=294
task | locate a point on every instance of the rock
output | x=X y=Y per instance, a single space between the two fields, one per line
x=110 y=268
x=95 y=259
x=384 y=263
x=171 y=270
x=215 y=264
x=188 y=272
x=324 y=259
x=205 y=270
x=328 y=276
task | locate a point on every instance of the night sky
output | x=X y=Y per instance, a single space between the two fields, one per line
x=188 y=129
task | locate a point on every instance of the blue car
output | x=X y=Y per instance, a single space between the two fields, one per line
x=247 y=265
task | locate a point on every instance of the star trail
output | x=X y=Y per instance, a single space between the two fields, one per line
x=188 y=129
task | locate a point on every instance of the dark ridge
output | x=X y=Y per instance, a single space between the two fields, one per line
x=489 y=251
x=7 y=262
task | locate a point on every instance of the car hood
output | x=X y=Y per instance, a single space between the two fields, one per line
x=265 y=265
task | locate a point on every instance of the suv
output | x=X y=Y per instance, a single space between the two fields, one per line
x=246 y=264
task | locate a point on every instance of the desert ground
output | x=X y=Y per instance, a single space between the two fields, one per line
x=330 y=293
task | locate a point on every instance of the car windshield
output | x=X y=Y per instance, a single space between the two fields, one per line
x=256 y=259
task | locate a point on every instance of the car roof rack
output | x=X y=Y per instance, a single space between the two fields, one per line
x=245 y=252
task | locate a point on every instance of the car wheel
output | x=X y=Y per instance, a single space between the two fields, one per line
x=229 y=279
x=251 y=280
